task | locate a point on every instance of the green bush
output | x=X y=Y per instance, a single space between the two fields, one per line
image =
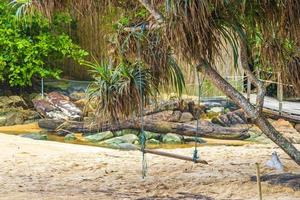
x=31 y=46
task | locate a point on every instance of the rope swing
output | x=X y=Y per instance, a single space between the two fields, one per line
x=143 y=149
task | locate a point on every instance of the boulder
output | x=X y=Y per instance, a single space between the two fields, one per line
x=126 y=132
x=44 y=107
x=153 y=141
x=14 y=118
x=150 y=135
x=36 y=136
x=70 y=137
x=172 y=138
x=130 y=138
x=186 y=117
x=12 y=101
x=57 y=106
x=98 y=137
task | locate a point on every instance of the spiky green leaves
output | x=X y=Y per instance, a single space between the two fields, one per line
x=120 y=91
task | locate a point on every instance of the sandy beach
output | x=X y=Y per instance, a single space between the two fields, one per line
x=44 y=170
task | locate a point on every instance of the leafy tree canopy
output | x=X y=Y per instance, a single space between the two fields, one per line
x=31 y=45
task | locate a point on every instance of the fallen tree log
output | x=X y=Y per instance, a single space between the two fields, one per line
x=163 y=127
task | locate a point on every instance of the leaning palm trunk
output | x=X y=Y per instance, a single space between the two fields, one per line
x=251 y=111
x=254 y=113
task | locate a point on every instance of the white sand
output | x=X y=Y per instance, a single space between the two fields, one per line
x=39 y=170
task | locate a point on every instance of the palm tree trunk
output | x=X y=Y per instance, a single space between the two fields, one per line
x=251 y=111
x=255 y=114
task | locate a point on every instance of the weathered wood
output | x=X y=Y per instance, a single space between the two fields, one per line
x=276 y=115
x=163 y=127
x=176 y=156
x=279 y=92
x=258 y=181
x=272 y=103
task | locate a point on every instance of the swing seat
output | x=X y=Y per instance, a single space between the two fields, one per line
x=176 y=156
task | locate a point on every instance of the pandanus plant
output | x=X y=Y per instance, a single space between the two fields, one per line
x=197 y=30
x=121 y=90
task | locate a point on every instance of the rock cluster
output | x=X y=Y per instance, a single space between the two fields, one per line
x=14 y=110
x=57 y=106
x=130 y=139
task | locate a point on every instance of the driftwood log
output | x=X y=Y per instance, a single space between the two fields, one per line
x=163 y=127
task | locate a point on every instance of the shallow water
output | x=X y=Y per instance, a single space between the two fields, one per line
x=27 y=129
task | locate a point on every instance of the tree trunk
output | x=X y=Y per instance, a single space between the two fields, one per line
x=251 y=111
x=239 y=99
x=163 y=127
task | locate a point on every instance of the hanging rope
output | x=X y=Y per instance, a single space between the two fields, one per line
x=142 y=134
x=200 y=84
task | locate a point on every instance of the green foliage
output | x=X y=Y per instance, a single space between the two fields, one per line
x=121 y=90
x=29 y=46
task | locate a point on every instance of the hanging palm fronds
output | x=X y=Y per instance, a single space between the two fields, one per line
x=155 y=54
x=199 y=30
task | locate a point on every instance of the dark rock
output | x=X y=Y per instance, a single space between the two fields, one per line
x=62 y=132
x=153 y=141
x=14 y=118
x=285 y=179
x=12 y=101
x=193 y=139
x=50 y=124
x=98 y=137
x=70 y=137
x=130 y=138
x=150 y=135
x=172 y=138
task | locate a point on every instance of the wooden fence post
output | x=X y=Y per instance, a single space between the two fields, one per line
x=279 y=91
x=258 y=181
